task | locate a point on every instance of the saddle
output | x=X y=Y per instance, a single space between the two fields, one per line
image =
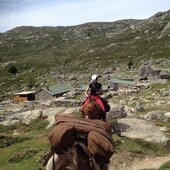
x=96 y=135
x=100 y=101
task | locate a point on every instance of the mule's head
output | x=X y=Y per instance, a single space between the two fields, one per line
x=66 y=161
x=73 y=159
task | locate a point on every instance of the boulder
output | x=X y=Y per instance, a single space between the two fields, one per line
x=140 y=129
x=72 y=77
x=139 y=107
x=107 y=95
x=116 y=112
x=108 y=71
x=28 y=116
x=164 y=92
x=60 y=111
x=9 y=122
x=164 y=75
x=157 y=115
x=145 y=71
x=167 y=115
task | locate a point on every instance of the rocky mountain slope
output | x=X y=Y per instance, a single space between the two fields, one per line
x=37 y=51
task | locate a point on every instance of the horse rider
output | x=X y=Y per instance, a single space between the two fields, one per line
x=93 y=92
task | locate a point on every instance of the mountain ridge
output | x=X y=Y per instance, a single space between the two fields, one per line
x=83 y=48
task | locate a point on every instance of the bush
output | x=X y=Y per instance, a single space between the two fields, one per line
x=12 y=69
x=130 y=64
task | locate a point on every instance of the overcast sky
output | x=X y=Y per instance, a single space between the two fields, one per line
x=15 y=13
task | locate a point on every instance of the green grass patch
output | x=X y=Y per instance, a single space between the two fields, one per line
x=160 y=123
x=38 y=125
x=22 y=155
x=6 y=141
x=24 y=151
x=8 y=129
x=165 y=166
x=138 y=146
x=157 y=86
x=164 y=108
x=27 y=154
x=149 y=169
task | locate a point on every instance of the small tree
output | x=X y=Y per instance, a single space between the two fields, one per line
x=12 y=69
x=130 y=64
x=31 y=81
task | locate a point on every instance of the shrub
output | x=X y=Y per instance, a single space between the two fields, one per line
x=12 y=69
x=165 y=166
x=130 y=64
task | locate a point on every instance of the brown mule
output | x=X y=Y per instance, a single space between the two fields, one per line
x=93 y=111
x=75 y=158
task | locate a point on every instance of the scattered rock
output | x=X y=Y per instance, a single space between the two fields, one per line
x=139 y=107
x=72 y=77
x=108 y=71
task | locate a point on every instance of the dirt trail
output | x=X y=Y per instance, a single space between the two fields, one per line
x=149 y=162
x=137 y=163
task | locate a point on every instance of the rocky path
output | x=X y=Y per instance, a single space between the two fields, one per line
x=138 y=163
x=149 y=163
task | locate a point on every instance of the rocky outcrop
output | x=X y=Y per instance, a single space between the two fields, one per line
x=140 y=129
x=165 y=75
x=116 y=112
x=146 y=70
x=158 y=115
x=63 y=102
x=164 y=92
x=139 y=107
x=9 y=122
x=26 y=117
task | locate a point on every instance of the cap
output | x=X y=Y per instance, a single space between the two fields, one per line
x=94 y=77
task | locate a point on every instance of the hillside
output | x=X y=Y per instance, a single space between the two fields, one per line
x=40 y=56
x=40 y=52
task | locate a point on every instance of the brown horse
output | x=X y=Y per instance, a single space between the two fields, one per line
x=75 y=158
x=93 y=111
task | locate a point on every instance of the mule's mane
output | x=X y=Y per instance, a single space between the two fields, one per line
x=75 y=158
x=64 y=160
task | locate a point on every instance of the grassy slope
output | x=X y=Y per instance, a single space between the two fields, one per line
x=26 y=150
x=79 y=49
